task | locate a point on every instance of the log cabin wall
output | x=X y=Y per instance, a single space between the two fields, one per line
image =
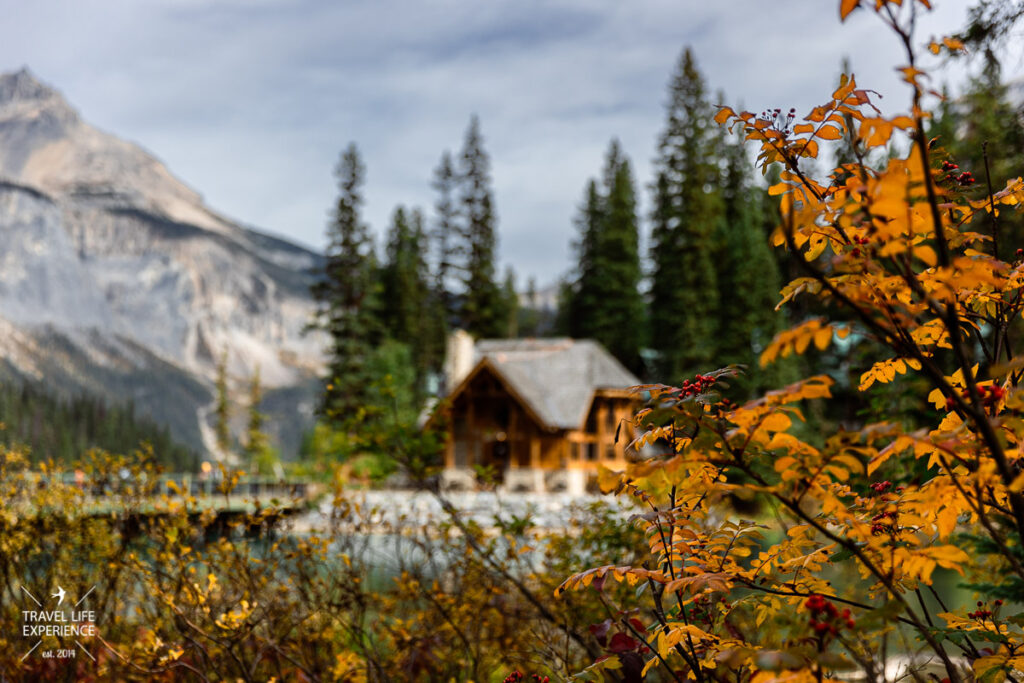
x=594 y=445
x=491 y=427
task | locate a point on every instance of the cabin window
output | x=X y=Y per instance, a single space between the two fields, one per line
x=609 y=452
x=591 y=451
x=609 y=418
x=576 y=452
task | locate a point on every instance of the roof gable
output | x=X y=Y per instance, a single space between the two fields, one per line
x=555 y=379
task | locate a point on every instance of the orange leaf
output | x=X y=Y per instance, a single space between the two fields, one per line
x=723 y=115
x=829 y=133
x=847 y=6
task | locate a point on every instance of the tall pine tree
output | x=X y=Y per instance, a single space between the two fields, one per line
x=747 y=273
x=404 y=279
x=605 y=303
x=223 y=407
x=446 y=235
x=345 y=296
x=687 y=208
x=983 y=132
x=510 y=304
x=622 y=310
x=482 y=312
x=583 y=295
x=413 y=315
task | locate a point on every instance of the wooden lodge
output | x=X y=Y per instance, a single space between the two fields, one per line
x=542 y=413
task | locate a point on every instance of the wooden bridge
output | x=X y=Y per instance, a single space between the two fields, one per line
x=167 y=492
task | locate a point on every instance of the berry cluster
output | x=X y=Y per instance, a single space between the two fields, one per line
x=1020 y=254
x=880 y=526
x=881 y=487
x=963 y=179
x=990 y=394
x=778 y=121
x=860 y=242
x=517 y=676
x=981 y=613
x=826 y=619
x=698 y=385
x=701 y=612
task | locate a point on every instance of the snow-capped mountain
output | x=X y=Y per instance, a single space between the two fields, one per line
x=116 y=278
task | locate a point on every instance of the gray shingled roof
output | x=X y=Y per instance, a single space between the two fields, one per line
x=557 y=377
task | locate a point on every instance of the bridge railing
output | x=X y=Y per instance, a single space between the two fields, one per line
x=174 y=484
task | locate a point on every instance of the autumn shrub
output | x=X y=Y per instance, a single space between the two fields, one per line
x=870 y=536
x=184 y=585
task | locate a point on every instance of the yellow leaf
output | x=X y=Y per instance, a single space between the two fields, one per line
x=994 y=664
x=651 y=663
x=608 y=480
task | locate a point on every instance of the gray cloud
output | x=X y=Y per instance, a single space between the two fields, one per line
x=251 y=101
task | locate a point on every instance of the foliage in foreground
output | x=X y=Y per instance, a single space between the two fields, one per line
x=354 y=593
x=840 y=577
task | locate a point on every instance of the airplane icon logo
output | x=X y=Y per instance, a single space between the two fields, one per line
x=59 y=595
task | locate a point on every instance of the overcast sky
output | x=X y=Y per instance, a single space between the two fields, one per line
x=251 y=101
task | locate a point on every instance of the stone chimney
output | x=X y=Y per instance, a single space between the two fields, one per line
x=458 y=359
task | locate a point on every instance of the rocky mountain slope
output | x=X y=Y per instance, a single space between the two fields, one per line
x=116 y=279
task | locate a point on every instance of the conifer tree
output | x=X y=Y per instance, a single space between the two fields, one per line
x=621 y=307
x=583 y=296
x=432 y=315
x=510 y=304
x=983 y=134
x=605 y=302
x=259 y=453
x=223 y=407
x=413 y=314
x=345 y=297
x=404 y=279
x=446 y=235
x=747 y=273
x=482 y=299
x=687 y=208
